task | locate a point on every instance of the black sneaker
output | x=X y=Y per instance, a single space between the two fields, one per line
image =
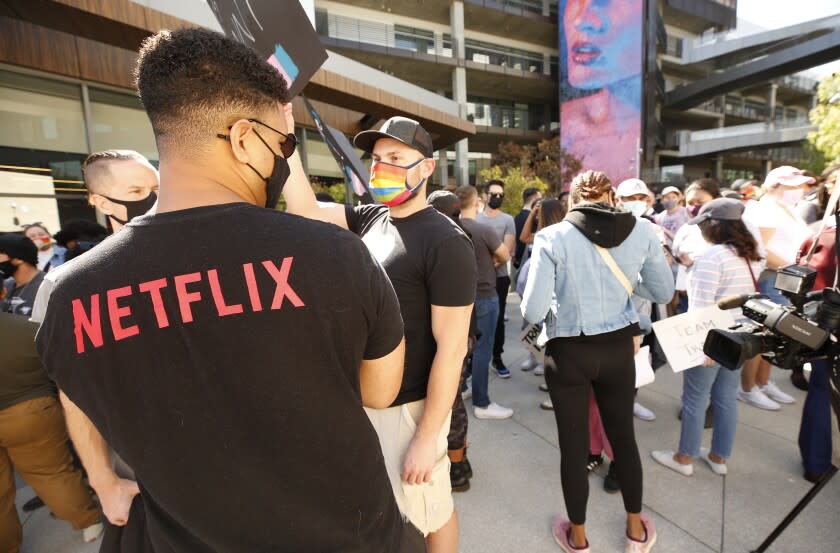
x=595 y=461
x=611 y=484
x=467 y=466
x=458 y=477
x=33 y=504
x=501 y=370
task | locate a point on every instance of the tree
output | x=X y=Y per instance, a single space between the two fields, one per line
x=515 y=183
x=546 y=161
x=826 y=116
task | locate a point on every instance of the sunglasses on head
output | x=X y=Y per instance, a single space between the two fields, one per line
x=287 y=147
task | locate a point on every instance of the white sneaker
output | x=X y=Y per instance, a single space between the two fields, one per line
x=717 y=468
x=643 y=413
x=757 y=398
x=466 y=394
x=666 y=458
x=547 y=405
x=493 y=411
x=539 y=370
x=92 y=533
x=528 y=364
x=773 y=392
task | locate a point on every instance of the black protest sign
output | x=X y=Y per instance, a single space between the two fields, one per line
x=279 y=30
x=342 y=151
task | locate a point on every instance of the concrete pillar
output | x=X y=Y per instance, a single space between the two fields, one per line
x=771 y=104
x=456 y=20
x=768 y=166
x=546 y=8
x=442 y=168
x=459 y=89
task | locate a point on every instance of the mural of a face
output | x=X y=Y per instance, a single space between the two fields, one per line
x=603 y=41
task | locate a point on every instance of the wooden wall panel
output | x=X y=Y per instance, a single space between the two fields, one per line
x=123 y=11
x=105 y=63
x=29 y=45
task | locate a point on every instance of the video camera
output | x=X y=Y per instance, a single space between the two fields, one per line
x=787 y=336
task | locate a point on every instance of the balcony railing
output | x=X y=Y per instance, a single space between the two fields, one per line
x=489 y=115
x=382 y=34
x=799 y=82
x=524 y=61
x=522 y=6
x=674 y=46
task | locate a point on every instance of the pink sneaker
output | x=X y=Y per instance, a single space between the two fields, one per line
x=560 y=528
x=634 y=546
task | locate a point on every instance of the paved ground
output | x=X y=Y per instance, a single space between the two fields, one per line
x=516 y=488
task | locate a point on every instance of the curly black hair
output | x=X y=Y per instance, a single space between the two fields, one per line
x=194 y=82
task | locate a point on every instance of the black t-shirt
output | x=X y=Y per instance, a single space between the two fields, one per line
x=217 y=350
x=430 y=261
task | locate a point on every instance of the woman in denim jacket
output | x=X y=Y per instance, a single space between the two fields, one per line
x=591 y=323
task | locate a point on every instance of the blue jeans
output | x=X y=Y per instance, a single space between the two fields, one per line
x=486 y=315
x=765 y=286
x=722 y=385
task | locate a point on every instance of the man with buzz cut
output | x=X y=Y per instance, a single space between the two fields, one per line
x=208 y=343
x=122 y=184
x=431 y=263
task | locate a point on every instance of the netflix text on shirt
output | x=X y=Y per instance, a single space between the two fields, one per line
x=87 y=314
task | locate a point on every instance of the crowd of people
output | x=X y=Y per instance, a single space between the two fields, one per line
x=296 y=381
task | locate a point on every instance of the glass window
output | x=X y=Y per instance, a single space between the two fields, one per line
x=118 y=121
x=41 y=114
x=319 y=159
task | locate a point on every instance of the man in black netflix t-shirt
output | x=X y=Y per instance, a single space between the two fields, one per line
x=431 y=264
x=224 y=350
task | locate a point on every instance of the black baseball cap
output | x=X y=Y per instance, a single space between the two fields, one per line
x=720 y=209
x=18 y=246
x=402 y=129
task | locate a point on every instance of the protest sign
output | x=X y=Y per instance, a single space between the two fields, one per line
x=530 y=337
x=682 y=337
x=279 y=30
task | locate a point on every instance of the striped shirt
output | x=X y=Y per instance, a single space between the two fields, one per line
x=719 y=272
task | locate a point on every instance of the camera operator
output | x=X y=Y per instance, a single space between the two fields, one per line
x=729 y=267
x=583 y=274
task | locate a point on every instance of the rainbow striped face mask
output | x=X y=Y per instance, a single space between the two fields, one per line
x=389 y=184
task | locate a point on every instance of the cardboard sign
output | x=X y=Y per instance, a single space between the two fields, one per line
x=279 y=30
x=682 y=337
x=530 y=338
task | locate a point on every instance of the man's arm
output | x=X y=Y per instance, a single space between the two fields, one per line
x=450 y=327
x=115 y=493
x=300 y=199
x=501 y=255
x=380 y=379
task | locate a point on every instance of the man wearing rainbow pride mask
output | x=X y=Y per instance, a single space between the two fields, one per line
x=432 y=266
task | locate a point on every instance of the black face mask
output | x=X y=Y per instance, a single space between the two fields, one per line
x=134 y=208
x=7 y=268
x=279 y=175
x=495 y=202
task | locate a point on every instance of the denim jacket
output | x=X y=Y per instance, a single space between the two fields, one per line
x=572 y=288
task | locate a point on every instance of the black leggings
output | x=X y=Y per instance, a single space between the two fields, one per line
x=605 y=363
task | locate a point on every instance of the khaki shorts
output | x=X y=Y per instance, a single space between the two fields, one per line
x=428 y=506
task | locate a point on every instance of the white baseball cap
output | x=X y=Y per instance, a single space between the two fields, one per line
x=787 y=176
x=631 y=187
x=669 y=189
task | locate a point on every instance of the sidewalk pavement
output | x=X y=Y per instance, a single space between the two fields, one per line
x=516 y=488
